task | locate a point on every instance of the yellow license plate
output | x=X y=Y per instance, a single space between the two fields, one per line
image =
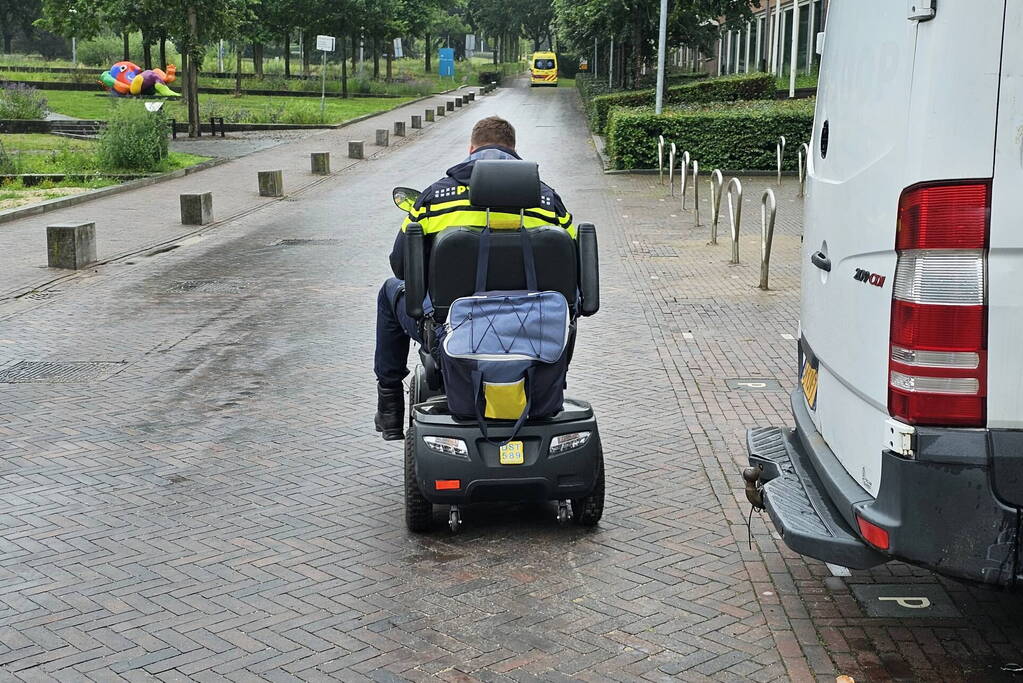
x=808 y=379
x=512 y=453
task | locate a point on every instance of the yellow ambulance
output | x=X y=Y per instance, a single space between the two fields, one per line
x=543 y=69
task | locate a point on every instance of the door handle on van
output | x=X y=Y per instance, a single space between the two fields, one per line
x=821 y=261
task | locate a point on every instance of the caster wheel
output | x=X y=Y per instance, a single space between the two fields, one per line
x=588 y=510
x=454 y=520
x=418 y=510
x=562 y=511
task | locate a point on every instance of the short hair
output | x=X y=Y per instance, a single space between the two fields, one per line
x=493 y=130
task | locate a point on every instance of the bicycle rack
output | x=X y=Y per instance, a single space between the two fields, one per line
x=735 y=214
x=767 y=216
x=779 y=152
x=671 y=168
x=717 y=182
x=685 y=177
x=660 y=158
x=804 y=163
x=696 y=191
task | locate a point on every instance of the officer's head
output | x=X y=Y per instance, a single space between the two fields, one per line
x=492 y=130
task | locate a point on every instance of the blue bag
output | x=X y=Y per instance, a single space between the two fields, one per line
x=503 y=353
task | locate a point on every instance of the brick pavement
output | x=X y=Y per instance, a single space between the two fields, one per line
x=218 y=507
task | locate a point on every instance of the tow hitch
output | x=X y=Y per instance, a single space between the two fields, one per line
x=754 y=489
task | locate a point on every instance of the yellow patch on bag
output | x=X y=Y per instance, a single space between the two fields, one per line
x=505 y=401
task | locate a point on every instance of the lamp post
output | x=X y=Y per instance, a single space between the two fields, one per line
x=662 y=38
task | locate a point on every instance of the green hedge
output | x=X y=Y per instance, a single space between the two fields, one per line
x=736 y=136
x=725 y=89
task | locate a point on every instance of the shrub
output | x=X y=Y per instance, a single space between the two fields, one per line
x=736 y=136
x=134 y=139
x=724 y=89
x=21 y=102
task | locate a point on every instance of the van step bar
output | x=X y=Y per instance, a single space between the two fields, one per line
x=798 y=504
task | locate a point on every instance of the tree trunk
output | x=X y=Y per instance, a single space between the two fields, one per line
x=376 y=59
x=163 y=52
x=306 y=51
x=9 y=37
x=127 y=47
x=355 y=52
x=390 y=60
x=287 y=54
x=427 y=52
x=192 y=90
x=344 y=65
x=495 y=48
x=257 y=59
x=238 y=49
x=147 y=51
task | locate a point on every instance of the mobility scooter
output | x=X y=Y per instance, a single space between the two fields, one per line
x=453 y=461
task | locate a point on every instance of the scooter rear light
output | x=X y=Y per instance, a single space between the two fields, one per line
x=938 y=351
x=567 y=442
x=873 y=534
x=447 y=446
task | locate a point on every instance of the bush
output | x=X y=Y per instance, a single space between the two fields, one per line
x=724 y=89
x=736 y=136
x=134 y=139
x=21 y=102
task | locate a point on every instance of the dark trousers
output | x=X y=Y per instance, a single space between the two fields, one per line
x=394 y=330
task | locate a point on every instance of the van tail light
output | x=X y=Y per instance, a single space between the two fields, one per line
x=938 y=353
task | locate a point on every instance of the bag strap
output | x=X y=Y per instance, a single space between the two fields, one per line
x=483 y=260
x=477 y=381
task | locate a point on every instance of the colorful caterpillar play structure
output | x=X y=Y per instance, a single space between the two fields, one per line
x=126 y=78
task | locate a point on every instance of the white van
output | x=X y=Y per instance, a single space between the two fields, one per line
x=908 y=439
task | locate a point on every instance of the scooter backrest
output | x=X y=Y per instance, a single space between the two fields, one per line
x=504 y=184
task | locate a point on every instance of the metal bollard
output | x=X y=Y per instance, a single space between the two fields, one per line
x=779 y=152
x=672 y=151
x=696 y=191
x=735 y=214
x=767 y=216
x=660 y=158
x=717 y=182
x=684 y=177
x=804 y=166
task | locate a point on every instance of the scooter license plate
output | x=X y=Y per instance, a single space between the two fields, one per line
x=512 y=453
x=808 y=375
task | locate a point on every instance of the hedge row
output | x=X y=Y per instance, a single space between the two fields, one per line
x=735 y=136
x=725 y=89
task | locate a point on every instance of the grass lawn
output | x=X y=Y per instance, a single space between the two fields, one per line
x=244 y=109
x=43 y=153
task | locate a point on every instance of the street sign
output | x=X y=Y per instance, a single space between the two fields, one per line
x=446 y=67
x=470 y=42
x=398 y=54
x=325 y=43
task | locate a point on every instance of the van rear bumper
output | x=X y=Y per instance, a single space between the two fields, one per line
x=946 y=509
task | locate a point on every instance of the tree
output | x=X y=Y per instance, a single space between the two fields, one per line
x=17 y=16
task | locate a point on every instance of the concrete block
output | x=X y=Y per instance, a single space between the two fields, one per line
x=465 y=99
x=356 y=149
x=442 y=110
x=450 y=105
x=417 y=121
x=458 y=102
x=197 y=209
x=71 y=245
x=320 y=163
x=271 y=183
x=472 y=97
x=399 y=129
x=383 y=137
x=431 y=115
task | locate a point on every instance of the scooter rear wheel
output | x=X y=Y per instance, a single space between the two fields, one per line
x=418 y=510
x=588 y=510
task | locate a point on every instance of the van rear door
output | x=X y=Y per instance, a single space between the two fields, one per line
x=900 y=103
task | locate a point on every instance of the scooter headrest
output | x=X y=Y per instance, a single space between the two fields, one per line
x=504 y=184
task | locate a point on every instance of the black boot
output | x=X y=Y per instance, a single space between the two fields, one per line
x=390 y=411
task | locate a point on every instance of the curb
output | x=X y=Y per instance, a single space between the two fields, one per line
x=65 y=202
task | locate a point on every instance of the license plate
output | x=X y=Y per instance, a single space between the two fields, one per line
x=808 y=375
x=512 y=453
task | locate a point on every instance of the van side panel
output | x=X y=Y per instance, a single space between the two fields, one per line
x=905 y=103
x=1005 y=260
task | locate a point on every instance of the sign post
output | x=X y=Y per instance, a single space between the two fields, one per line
x=324 y=44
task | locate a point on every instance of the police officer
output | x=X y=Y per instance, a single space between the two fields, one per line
x=444 y=204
